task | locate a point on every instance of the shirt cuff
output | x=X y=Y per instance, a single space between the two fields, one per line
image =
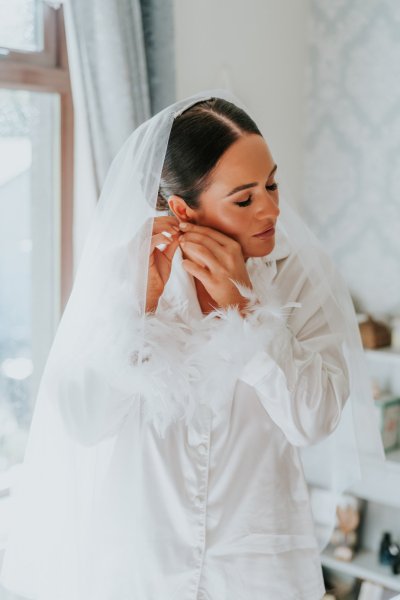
x=259 y=366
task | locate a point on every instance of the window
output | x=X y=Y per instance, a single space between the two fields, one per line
x=36 y=151
x=28 y=32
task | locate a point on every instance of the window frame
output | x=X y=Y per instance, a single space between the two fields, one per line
x=48 y=71
x=46 y=57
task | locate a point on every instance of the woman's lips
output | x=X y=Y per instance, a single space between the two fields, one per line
x=266 y=234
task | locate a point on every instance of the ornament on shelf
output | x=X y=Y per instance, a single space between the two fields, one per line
x=345 y=535
x=374 y=334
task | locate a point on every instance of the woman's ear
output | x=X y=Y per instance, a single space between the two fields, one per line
x=179 y=208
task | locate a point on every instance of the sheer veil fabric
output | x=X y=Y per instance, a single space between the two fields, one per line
x=99 y=371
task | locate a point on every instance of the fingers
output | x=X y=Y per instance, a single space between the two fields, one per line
x=202 y=256
x=164 y=227
x=162 y=240
x=219 y=251
x=218 y=236
x=171 y=248
x=197 y=271
x=165 y=223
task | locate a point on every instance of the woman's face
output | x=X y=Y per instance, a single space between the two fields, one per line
x=241 y=214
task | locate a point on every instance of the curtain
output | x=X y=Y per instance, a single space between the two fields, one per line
x=122 y=71
x=158 y=30
x=112 y=61
x=126 y=60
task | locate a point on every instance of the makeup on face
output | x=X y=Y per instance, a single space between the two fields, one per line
x=242 y=201
x=265 y=235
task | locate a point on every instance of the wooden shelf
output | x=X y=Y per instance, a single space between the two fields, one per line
x=364 y=565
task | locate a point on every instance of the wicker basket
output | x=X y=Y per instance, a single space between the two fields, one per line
x=374 y=334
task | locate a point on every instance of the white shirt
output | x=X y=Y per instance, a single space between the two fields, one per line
x=221 y=506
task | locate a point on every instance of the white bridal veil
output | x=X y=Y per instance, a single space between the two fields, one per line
x=91 y=367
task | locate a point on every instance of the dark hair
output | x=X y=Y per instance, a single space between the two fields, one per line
x=199 y=137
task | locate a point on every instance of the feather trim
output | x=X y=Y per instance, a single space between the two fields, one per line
x=172 y=366
x=198 y=362
x=224 y=341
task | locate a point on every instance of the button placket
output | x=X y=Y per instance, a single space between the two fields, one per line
x=199 y=438
x=199 y=496
x=202 y=449
x=198 y=500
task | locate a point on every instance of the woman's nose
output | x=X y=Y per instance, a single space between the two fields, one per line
x=269 y=207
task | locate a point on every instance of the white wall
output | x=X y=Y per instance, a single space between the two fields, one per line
x=261 y=44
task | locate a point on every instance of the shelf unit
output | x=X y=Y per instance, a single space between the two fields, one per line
x=365 y=566
x=381 y=486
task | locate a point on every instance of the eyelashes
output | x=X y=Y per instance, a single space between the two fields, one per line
x=273 y=187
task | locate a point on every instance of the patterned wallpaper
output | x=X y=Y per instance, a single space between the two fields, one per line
x=352 y=159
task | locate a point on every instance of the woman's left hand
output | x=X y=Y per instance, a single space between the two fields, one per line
x=213 y=258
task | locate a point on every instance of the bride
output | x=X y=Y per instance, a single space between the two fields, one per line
x=204 y=362
x=223 y=224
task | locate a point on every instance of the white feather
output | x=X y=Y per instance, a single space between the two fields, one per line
x=185 y=364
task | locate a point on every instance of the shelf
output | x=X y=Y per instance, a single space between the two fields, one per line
x=385 y=353
x=381 y=485
x=364 y=565
x=393 y=456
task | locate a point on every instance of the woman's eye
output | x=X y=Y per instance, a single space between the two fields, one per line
x=245 y=202
x=272 y=188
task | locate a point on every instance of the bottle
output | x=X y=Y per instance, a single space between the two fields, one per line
x=394 y=551
x=396 y=566
x=385 y=557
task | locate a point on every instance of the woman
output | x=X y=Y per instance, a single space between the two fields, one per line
x=191 y=367
x=219 y=236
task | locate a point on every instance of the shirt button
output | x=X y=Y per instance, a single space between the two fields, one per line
x=197 y=500
x=202 y=449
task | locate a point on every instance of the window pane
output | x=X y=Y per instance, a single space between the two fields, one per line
x=21 y=24
x=29 y=257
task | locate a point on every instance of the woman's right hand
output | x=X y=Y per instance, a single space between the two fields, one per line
x=160 y=261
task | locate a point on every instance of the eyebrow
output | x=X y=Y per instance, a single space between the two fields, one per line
x=244 y=186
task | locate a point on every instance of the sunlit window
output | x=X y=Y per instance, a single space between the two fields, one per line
x=36 y=175
x=29 y=258
x=21 y=24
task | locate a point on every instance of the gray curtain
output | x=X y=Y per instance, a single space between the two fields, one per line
x=125 y=50
x=158 y=29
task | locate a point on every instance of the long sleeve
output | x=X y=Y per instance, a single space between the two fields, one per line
x=172 y=361
x=301 y=376
x=145 y=363
x=90 y=407
x=303 y=385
